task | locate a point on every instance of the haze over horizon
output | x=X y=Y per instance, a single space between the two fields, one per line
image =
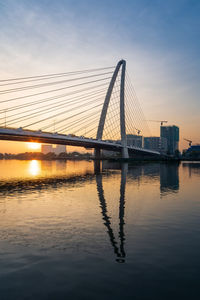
x=160 y=40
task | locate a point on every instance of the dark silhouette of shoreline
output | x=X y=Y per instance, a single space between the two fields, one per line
x=88 y=156
x=48 y=156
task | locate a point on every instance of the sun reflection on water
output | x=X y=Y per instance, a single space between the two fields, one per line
x=34 y=168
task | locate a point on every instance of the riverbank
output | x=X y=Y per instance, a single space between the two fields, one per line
x=89 y=156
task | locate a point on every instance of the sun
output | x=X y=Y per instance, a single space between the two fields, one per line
x=34 y=146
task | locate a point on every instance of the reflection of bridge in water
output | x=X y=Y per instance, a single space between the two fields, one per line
x=169 y=182
x=118 y=250
x=167 y=174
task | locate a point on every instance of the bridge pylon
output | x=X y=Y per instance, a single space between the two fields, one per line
x=121 y=64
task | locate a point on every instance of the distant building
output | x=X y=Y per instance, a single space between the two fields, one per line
x=59 y=149
x=108 y=153
x=171 y=133
x=46 y=149
x=156 y=143
x=134 y=140
x=193 y=152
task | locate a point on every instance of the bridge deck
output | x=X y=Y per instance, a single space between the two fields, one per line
x=23 y=135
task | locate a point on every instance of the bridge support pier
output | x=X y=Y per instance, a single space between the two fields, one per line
x=125 y=152
x=97 y=153
x=97 y=166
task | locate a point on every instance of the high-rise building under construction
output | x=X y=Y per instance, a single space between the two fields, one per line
x=171 y=133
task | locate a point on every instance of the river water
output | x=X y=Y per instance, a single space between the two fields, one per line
x=75 y=230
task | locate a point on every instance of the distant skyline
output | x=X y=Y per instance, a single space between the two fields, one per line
x=160 y=40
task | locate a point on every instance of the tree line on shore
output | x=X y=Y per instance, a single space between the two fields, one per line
x=48 y=156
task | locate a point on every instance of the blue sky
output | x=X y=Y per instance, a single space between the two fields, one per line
x=159 y=39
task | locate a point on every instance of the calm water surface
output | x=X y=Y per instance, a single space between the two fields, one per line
x=72 y=231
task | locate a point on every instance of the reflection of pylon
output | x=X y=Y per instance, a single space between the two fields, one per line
x=119 y=251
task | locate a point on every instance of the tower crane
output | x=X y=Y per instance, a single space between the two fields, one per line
x=189 y=141
x=161 y=122
x=138 y=130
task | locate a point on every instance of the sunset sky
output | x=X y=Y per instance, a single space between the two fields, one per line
x=160 y=40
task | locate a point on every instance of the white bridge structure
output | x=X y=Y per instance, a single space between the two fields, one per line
x=79 y=119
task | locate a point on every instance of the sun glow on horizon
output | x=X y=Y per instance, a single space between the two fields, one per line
x=34 y=146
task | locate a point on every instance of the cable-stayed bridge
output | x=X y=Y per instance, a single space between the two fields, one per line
x=93 y=108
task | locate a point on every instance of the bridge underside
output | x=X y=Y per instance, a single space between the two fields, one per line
x=17 y=135
x=57 y=141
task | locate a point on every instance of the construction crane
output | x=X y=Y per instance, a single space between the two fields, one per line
x=138 y=130
x=161 y=122
x=189 y=141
